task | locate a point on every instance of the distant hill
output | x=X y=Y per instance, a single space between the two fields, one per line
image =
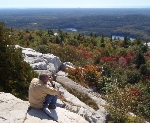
x=134 y=23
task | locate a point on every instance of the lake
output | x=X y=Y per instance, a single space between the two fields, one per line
x=71 y=29
x=120 y=37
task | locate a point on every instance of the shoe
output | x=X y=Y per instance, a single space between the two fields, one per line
x=63 y=105
x=51 y=106
x=61 y=92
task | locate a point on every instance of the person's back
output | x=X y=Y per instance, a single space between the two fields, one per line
x=36 y=97
x=39 y=89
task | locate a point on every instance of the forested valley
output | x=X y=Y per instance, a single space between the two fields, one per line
x=130 y=22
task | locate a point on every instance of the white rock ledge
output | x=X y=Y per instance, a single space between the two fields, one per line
x=14 y=110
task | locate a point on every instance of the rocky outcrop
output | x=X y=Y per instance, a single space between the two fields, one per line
x=39 y=61
x=93 y=116
x=15 y=110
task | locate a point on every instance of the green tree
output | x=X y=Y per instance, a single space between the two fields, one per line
x=44 y=40
x=57 y=40
x=50 y=32
x=102 y=41
x=126 y=41
x=111 y=38
x=139 y=59
x=144 y=48
x=91 y=34
x=16 y=74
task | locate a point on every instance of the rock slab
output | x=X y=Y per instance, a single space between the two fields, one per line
x=14 y=110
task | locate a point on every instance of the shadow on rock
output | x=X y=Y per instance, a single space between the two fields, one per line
x=39 y=113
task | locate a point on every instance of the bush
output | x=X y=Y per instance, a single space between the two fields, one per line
x=69 y=53
x=16 y=74
x=91 y=75
x=133 y=76
x=43 y=49
x=76 y=75
x=143 y=107
x=121 y=102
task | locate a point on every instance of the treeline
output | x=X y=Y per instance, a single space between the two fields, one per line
x=132 y=23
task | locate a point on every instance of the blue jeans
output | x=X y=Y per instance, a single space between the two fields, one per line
x=50 y=99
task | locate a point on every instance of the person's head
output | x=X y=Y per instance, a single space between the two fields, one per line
x=45 y=76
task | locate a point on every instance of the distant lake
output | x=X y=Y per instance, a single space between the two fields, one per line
x=120 y=37
x=71 y=29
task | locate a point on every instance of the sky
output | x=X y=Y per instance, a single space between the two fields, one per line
x=74 y=3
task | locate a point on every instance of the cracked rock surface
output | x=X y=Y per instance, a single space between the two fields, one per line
x=14 y=110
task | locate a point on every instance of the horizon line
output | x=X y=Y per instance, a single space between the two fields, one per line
x=73 y=7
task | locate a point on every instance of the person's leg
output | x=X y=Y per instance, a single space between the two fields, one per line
x=50 y=99
x=54 y=100
x=52 y=104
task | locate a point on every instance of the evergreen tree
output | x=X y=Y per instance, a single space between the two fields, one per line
x=111 y=38
x=16 y=74
x=144 y=47
x=139 y=59
x=91 y=34
x=57 y=40
x=102 y=41
x=102 y=38
x=50 y=32
x=126 y=41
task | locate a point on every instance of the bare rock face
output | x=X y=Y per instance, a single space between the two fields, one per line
x=14 y=110
x=39 y=61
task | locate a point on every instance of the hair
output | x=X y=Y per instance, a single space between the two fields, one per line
x=44 y=74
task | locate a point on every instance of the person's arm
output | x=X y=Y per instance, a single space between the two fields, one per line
x=53 y=85
x=51 y=81
x=49 y=90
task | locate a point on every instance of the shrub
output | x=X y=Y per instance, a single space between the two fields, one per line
x=133 y=76
x=91 y=75
x=122 y=101
x=85 y=76
x=104 y=85
x=107 y=70
x=143 y=107
x=119 y=76
x=122 y=62
x=16 y=74
x=77 y=75
x=43 y=49
x=70 y=53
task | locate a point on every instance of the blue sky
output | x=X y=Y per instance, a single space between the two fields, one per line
x=74 y=3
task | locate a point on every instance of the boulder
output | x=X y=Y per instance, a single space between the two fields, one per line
x=39 y=61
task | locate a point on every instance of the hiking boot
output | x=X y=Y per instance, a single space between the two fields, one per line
x=51 y=106
x=63 y=105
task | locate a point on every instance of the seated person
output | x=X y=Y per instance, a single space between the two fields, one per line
x=42 y=94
